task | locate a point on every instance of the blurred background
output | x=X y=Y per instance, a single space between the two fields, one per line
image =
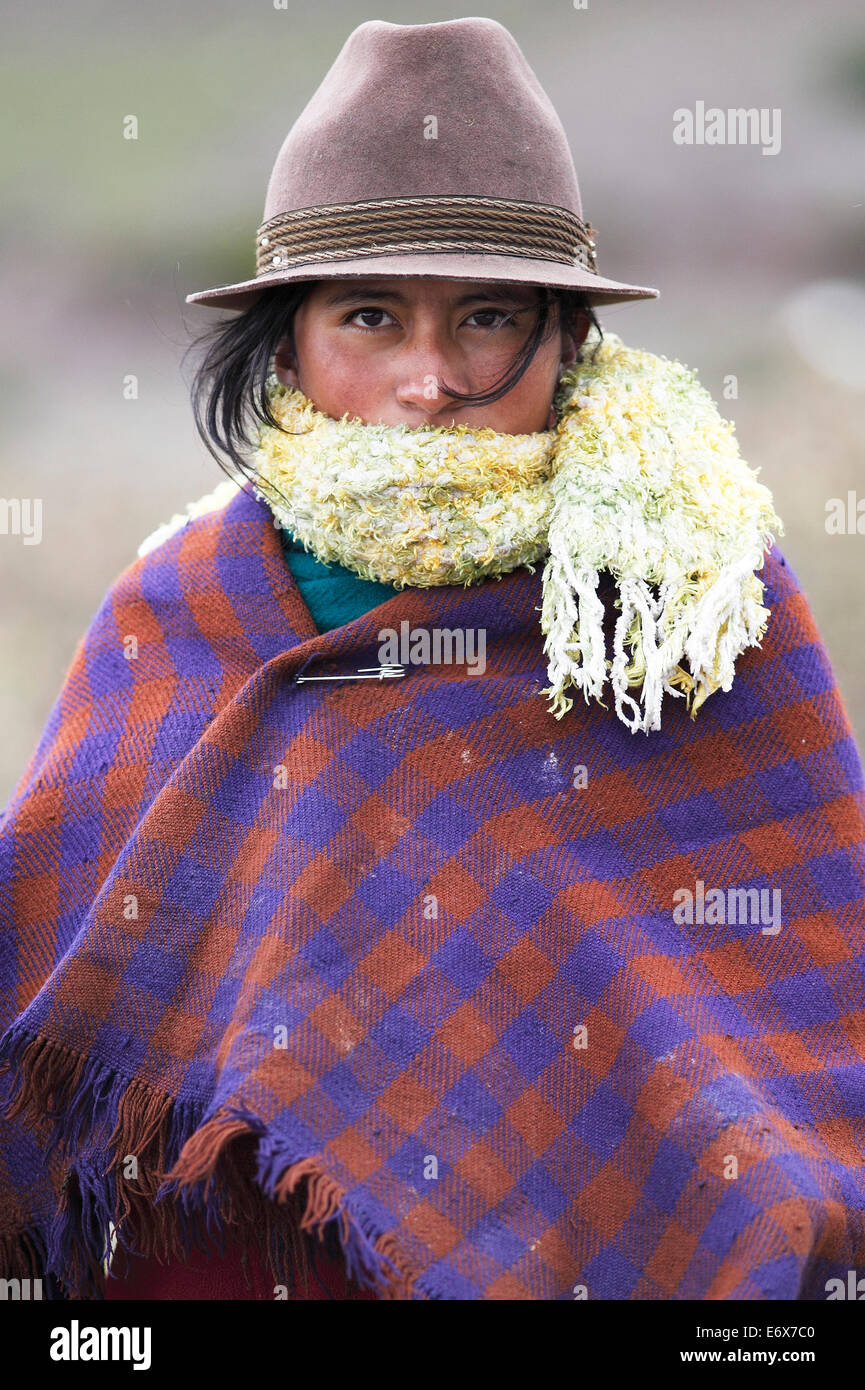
x=760 y=259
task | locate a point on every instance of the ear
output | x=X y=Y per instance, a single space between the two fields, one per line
x=285 y=364
x=573 y=336
x=582 y=325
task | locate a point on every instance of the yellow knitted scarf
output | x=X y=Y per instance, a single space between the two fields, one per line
x=640 y=478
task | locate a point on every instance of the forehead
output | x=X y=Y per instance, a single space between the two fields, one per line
x=415 y=289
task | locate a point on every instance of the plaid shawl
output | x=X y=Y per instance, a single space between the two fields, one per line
x=399 y=960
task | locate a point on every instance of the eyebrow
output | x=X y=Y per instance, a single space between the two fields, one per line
x=352 y=296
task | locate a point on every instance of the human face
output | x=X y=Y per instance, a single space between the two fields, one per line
x=379 y=349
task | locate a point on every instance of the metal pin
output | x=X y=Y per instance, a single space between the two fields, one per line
x=379 y=673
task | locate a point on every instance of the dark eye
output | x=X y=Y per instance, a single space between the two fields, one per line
x=365 y=314
x=489 y=315
x=497 y=318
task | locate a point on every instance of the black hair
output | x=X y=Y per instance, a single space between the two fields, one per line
x=229 y=388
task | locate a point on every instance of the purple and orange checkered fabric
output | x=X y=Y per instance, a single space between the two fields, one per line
x=399 y=959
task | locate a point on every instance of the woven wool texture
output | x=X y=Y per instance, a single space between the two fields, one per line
x=322 y=951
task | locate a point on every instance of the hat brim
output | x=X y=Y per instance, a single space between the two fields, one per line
x=441 y=265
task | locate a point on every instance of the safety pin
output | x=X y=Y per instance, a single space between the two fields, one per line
x=380 y=673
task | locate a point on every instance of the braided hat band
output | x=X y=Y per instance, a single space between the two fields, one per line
x=499 y=226
x=365 y=186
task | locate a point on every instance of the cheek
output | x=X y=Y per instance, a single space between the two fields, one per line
x=528 y=407
x=335 y=375
x=542 y=369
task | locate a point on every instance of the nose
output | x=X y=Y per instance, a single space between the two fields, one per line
x=424 y=362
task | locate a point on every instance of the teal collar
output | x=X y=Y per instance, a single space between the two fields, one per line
x=333 y=594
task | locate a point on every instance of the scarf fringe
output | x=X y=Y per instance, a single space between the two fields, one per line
x=653 y=635
x=196 y=1181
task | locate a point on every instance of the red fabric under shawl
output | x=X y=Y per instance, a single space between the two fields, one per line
x=216 y=1277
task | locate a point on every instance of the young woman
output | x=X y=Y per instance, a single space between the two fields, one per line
x=339 y=961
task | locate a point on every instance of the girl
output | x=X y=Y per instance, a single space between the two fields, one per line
x=340 y=965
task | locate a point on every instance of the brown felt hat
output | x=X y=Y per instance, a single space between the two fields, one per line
x=433 y=150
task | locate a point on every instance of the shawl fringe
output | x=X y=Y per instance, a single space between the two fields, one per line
x=196 y=1180
x=22 y=1254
